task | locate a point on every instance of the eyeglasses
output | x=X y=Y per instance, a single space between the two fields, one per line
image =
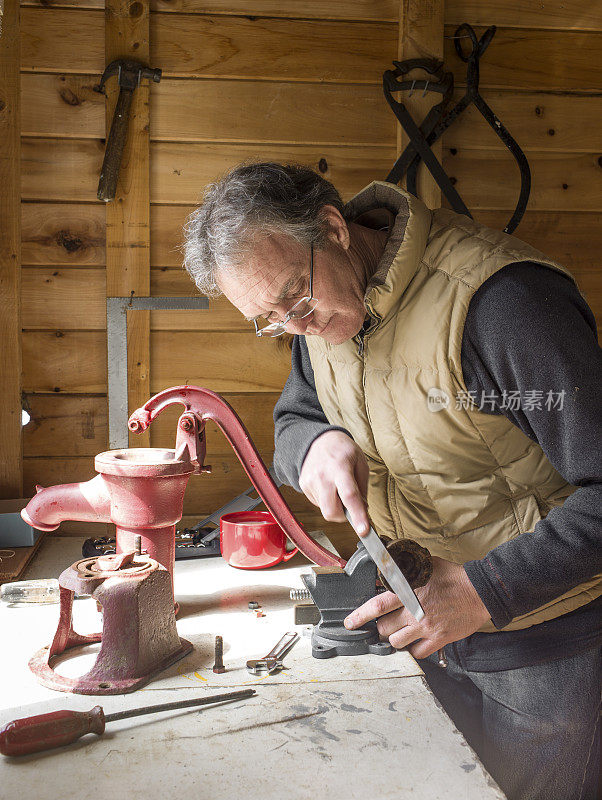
x=302 y=308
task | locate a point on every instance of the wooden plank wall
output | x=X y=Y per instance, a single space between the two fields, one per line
x=281 y=80
x=542 y=75
x=285 y=81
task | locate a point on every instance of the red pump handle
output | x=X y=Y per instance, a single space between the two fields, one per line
x=205 y=404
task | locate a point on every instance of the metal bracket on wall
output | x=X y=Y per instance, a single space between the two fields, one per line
x=117 y=353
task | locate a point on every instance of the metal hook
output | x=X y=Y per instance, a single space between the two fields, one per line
x=412 y=89
x=426 y=87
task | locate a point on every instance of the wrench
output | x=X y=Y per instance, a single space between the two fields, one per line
x=273 y=660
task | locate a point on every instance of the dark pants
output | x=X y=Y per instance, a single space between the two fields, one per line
x=536 y=729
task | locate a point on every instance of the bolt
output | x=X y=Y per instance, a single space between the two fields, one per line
x=186 y=424
x=300 y=594
x=218 y=667
x=253 y=604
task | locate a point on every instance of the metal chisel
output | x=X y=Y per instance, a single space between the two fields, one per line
x=389 y=569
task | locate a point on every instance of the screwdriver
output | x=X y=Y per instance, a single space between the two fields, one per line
x=45 y=731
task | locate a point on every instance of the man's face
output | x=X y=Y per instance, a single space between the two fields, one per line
x=275 y=275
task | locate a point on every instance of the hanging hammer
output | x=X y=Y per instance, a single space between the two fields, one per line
x=129 y=75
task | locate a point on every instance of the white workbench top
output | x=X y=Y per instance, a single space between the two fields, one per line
x=356 y=727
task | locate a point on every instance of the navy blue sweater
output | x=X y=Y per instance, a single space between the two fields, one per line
x=528 y=329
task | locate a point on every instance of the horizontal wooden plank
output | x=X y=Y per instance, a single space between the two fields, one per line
x=54 y=471
x=272 y=48
x=560 y=182
x=255 y=111
x=576 y=15
x=534 y=59
x=62 y=105
x=59 y=40
x=74 y=362
x=570 y=238
x=67 y=170
x=65 y=426
x=538 y=122
x=60 y=169
x=377 y=10
x=65 y=299
x=59 y=361
x=223 y=362
x=72 y=234
x=385 y=10
x=75 y=299
x=259 y=111
x=76 y=425
x=216 y=110
x=180 y=172
x=62 y=234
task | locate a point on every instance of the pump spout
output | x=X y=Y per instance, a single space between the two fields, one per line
x=82 y=502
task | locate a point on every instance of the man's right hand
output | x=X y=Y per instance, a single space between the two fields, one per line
x=335 y=474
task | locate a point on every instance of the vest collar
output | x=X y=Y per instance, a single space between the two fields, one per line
x=410 y=222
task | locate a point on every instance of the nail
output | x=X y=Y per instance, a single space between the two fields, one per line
x=349 y=622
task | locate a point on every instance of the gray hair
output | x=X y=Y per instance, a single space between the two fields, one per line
x=251 y=200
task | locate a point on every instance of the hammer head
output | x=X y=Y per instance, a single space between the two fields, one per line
x=129 y=74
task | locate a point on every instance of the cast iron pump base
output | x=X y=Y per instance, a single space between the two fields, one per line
x=139 y=637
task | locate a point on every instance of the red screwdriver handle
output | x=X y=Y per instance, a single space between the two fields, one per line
x=45 y=731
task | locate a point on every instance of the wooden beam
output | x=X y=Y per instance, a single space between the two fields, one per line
x=421 y=36
x=11 y=460
x=128 y=215
x=74 y=362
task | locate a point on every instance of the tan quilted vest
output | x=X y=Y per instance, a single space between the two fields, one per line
x=456 y=480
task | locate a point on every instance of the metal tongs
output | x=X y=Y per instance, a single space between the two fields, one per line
x=273 y=661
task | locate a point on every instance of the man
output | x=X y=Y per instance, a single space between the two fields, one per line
x=446 y=379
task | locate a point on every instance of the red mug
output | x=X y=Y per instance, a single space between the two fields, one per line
x=252 y=540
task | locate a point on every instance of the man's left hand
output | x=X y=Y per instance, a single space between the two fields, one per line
x=452 y=610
